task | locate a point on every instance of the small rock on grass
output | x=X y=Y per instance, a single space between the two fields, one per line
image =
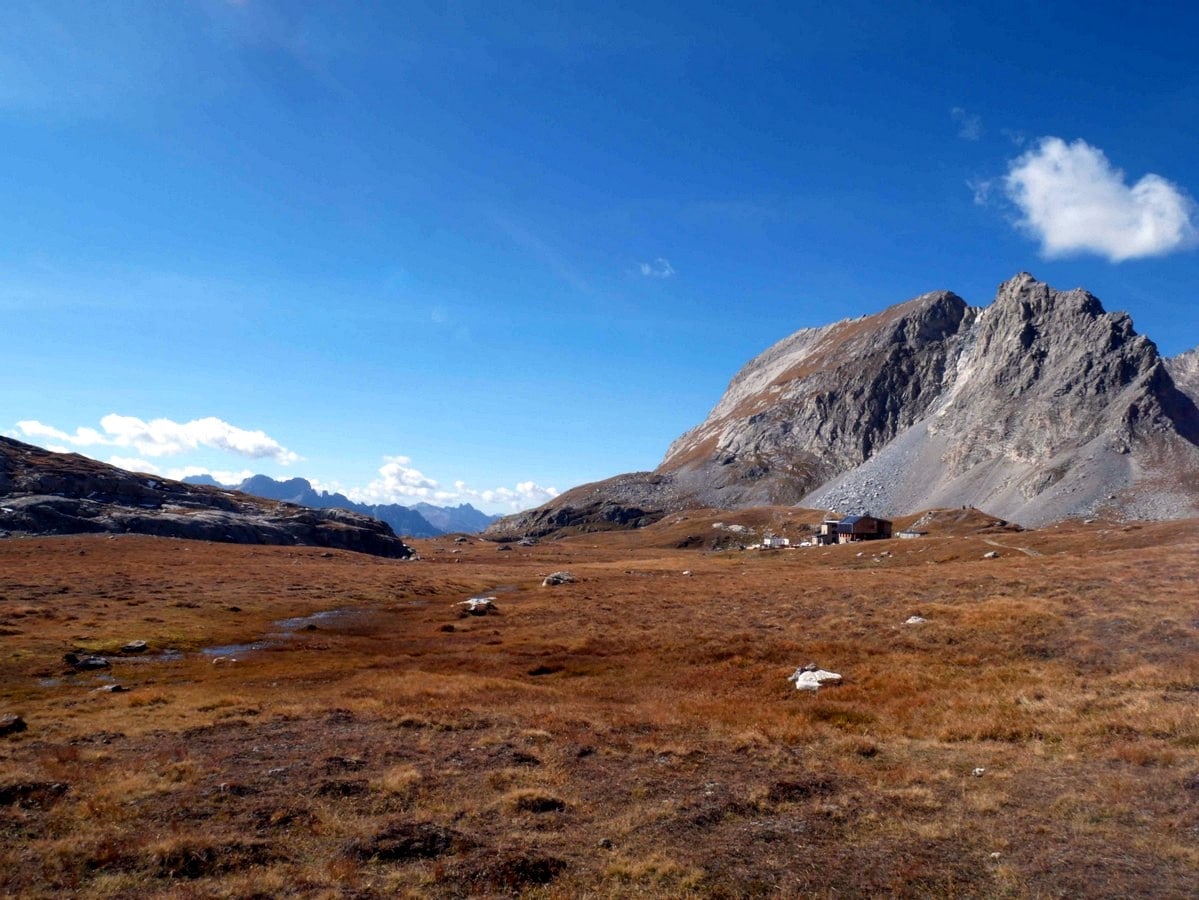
x=558 y=578
x=12 y=724
x=84 y=663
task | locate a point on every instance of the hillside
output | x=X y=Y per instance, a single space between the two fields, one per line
x=42 y=492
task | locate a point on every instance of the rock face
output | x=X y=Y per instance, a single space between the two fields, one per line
x=64 y=493
x=1037 y=407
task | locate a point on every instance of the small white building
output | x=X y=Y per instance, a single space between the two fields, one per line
x=770 y=542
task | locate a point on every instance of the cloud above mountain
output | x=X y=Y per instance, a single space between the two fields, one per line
x=178 y=473
x=138 y=445
x=164 y=437
x=400 y=482
x=1073 y=200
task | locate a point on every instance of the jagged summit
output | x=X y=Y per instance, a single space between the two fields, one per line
x=1038 y=406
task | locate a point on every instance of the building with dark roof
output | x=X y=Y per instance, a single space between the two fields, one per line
x=854 y=528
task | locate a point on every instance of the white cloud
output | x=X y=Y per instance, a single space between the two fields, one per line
x=134 y=464
x=177 y=473
x=970 y=127
x=164 y=437
x=525 y=495
x=399 y=482
x=659 y=268
x=1074 y=201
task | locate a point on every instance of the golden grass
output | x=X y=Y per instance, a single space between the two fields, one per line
x=630 y=734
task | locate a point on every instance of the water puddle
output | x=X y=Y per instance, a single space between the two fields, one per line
x=346 y=622
x=342 y=622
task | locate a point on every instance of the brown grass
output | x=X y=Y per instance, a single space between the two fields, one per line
x=630 y=734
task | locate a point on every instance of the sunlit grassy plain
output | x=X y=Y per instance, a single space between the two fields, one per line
x=629 y=734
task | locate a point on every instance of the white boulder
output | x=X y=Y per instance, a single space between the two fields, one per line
x=810 y=679
x=478 y=606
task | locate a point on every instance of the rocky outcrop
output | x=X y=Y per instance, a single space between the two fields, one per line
x=1037 y=407
x=64 y=493
x=819 y=403
x=626 y=501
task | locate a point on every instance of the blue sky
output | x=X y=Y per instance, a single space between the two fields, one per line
x=481 y=251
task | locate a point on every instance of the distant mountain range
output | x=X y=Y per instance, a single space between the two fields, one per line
x=423 y=520
x=1038 y=407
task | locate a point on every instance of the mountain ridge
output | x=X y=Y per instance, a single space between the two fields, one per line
x=1036 y=407
x=415 y=521
x=43 y=492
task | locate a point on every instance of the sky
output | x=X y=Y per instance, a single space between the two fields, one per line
x=485 y=252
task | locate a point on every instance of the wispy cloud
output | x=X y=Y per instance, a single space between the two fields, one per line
x=1019 y=138
x=659 y=268
x=981 y=188
x=970 y=126
x=165 y=437
x=541 y=250
x=1073 y=200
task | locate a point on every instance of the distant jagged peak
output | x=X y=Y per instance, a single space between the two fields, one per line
x=1184 y=370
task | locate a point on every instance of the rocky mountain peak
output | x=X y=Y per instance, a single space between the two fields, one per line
x=1037 y=406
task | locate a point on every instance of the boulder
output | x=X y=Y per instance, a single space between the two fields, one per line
x=478 y=606
x=812 y=679
x=558 y=578
x=12 y=724
x=84 y=663
x=134 y=647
